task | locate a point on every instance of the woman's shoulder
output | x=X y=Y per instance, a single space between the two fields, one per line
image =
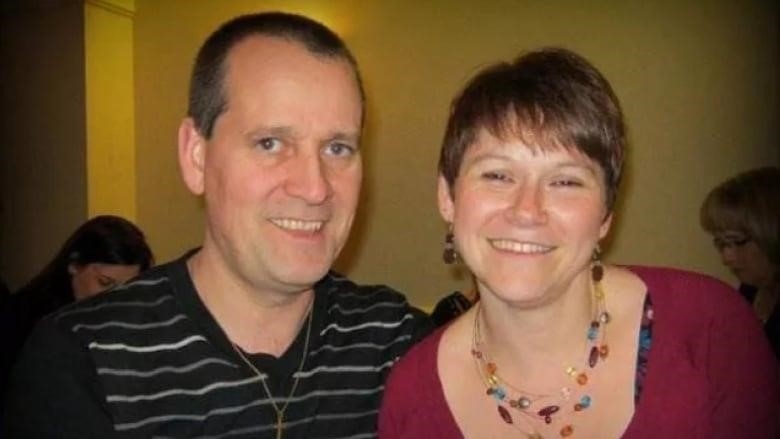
x=420 y=359
x=681 y=292
x=674 y=281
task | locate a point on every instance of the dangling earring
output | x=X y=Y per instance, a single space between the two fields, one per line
x=449 y=255
x=596 y=269
x=597 y=274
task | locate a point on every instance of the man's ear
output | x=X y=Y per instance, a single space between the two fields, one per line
x=192 y=152
x=446 y=205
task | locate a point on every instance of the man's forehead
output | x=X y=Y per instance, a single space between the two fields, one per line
x=275 y=50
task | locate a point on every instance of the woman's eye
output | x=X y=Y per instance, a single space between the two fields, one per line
x=339 y=149
x=567 y=182
x=269 y=144
x=495 y=176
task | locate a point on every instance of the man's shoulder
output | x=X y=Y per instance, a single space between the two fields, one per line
x=375 y=312
x=341 y=287
x=147 y=295
x=371 y=300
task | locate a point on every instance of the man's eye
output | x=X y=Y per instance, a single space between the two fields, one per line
x=106 y=282
x=269 y=144
x=339 y=149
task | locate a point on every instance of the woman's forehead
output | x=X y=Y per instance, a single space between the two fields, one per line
x=485 y=140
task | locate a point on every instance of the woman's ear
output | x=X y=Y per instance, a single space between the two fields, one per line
x=605 y=226
x=192 y=151
x=446 y=204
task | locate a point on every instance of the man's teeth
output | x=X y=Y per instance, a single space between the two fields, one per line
x=298 y=225
x=519 y=247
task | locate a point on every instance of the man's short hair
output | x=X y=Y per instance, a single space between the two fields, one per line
x=207 y=99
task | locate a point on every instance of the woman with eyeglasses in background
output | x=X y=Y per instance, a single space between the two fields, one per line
x=743 y=216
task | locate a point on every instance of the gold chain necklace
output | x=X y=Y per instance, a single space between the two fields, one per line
x=280 y=411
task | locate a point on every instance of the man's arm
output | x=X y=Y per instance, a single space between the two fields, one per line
x=54 y=391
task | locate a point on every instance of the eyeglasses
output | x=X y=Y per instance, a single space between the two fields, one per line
x=731 y=242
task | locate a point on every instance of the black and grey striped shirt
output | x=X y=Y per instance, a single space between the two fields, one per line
x=148 y=360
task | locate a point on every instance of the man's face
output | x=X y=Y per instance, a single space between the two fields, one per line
x=281 y=173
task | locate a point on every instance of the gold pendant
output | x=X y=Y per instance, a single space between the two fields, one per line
x=278 y=427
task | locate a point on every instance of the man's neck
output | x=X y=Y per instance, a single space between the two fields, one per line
x=255 y=320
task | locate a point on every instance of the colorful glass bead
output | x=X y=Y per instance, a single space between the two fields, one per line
x=578 y=407
x=571 y=371
x=585 y=401
x=492 y=380
x=549 y=410
x=567 y=431
x=499 y=393
x=491 y=368
x=548 y=420
x=523 y=402
x=582 y=379
x=566 y=392
x=604 y=317
x=593 y=358
x=593 y=333
x=476 y=353
x=535 y=435
x=504 y=414
x=597 y=272
x=603 y=351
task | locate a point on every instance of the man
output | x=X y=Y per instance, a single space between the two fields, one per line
x=250 y=336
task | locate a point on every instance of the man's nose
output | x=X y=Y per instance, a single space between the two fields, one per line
x=308 y=179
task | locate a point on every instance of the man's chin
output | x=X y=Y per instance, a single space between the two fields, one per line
x=304 y=277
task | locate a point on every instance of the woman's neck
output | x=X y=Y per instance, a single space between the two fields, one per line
x=533 y=340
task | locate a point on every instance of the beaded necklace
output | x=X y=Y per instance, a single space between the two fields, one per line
x=547 y=407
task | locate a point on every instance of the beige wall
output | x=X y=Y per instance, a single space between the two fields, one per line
x=698 y=83
x=42 y=132
x=110 y=110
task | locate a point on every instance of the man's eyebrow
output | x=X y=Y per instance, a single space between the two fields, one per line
x=273 y=131
x=345 y=136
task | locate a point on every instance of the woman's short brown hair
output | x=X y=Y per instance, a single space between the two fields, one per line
x=547 y=98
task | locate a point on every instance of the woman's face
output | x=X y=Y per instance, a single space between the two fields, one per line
x=90 y=279
x=525 y=222
x=744 y=258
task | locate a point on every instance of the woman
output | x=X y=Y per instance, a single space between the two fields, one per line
x=102 y=253
x=560 y=345
x=743 y=216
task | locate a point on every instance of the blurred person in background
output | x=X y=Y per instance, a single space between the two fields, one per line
x=743 y=216
x=102 y=253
